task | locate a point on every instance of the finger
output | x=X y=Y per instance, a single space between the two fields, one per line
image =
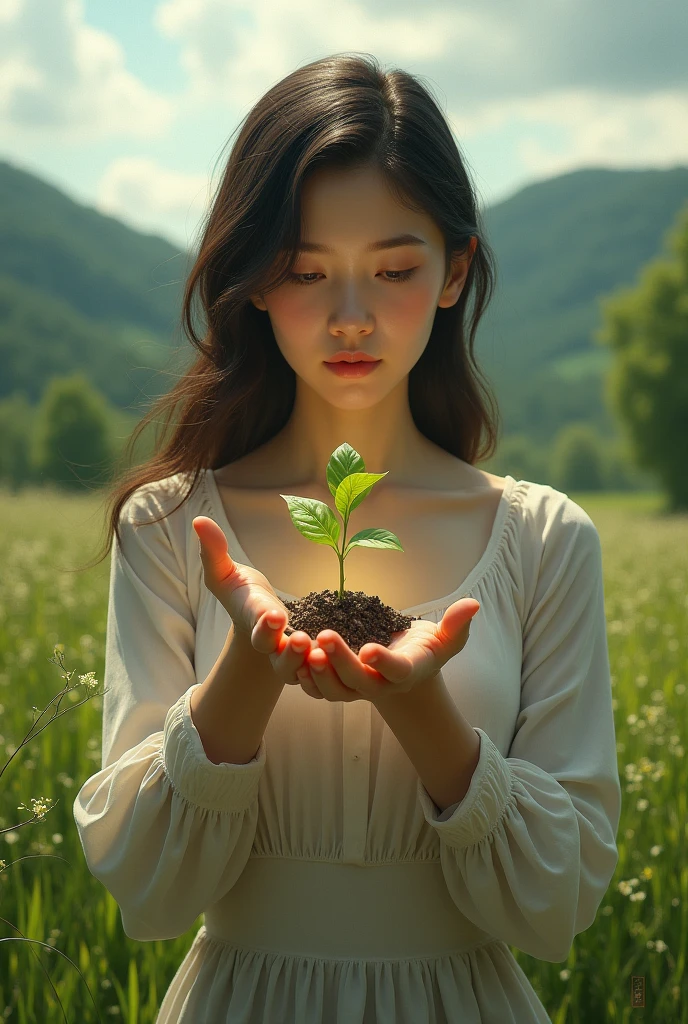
x=333 y=655
x=394 y=667
x=320 y=674
x=299 y=642
x=267 y=636
x=294 y=655
x=309 y=687
x=456 y=621
x=339 y=673
x=345 y=663
x=214 y=549
x=325 y=677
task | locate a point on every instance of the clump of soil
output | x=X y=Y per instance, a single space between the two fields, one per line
x=358 y=618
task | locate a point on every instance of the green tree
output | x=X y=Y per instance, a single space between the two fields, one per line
x=520 y=457
x=72 y=446
x=620 y=470
x=647 y=386
x=577 y=461
x=16 y=424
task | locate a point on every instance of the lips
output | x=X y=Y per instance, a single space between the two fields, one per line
x=352 y=357
x=360 y=368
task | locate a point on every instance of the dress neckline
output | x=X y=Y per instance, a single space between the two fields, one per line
x=476 y=573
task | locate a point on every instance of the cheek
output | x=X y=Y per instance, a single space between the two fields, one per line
x=411 y=305
x=290 y=312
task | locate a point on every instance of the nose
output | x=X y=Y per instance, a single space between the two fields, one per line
x=351 y=315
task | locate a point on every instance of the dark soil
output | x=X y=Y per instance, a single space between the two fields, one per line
x=358 y=618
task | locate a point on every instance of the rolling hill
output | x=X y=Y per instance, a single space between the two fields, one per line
x=80 y=290
x=562 y=244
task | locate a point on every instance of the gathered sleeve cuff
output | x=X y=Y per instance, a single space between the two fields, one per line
x=165 y=830
x=214 y=787
x=529 y=852
x=485 y=802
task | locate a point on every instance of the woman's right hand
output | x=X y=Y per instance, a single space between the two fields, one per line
x=249 y=599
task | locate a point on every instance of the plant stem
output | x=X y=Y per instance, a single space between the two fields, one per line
x=340 y=555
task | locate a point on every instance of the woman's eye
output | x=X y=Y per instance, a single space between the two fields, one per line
x=401 y=275
x=299 y=278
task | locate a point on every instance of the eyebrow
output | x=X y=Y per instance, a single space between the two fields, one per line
x=385 y=243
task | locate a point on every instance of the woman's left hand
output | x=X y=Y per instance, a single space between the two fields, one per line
x=413 y=657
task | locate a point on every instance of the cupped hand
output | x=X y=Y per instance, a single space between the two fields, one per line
x=413 y=657
x=258 y=616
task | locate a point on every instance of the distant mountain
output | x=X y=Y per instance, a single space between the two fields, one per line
x=561 y=244
x=79 y=290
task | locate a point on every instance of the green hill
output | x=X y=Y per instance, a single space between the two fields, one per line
x=80 y=290
x=561 y=244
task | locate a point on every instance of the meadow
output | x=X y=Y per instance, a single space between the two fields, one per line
x=48 y=896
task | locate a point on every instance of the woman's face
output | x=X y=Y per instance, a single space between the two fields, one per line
x=351 y=299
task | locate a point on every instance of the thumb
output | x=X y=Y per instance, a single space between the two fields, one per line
x=465 y=608
x=458 y=617
x=470 y=612
x=213 y=547
x=468 y=601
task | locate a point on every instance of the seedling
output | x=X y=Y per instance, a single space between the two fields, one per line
x=349 y=484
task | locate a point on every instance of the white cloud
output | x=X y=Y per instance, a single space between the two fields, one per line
x=234 y=50
x=152 y=198
x=610 y=81
x=63 y=79
x=599 y=130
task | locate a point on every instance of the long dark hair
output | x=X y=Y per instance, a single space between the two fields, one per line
x=341 y=111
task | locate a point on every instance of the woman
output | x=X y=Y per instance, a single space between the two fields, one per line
x=366 y=843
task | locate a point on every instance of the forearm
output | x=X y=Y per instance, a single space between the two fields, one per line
x=232 y=707
x=440 y=743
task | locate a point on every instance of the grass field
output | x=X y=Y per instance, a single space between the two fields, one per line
x=642 y=925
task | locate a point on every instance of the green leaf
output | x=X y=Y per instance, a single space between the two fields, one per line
x=344 y=461
x=374 y=537
x=133 y=992
x=313 y=519
x=353 y=489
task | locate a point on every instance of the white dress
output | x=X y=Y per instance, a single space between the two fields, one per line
x=333 y=891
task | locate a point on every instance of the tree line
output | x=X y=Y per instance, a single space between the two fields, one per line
x=73 y=438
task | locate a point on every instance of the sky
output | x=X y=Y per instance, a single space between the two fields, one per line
x=128 y=105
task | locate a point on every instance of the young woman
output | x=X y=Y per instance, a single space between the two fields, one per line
x=367 y=843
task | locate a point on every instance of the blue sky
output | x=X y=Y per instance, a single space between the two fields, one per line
x=127 y=105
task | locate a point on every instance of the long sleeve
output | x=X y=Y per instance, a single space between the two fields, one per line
x=529 y=852
x=166 y=831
